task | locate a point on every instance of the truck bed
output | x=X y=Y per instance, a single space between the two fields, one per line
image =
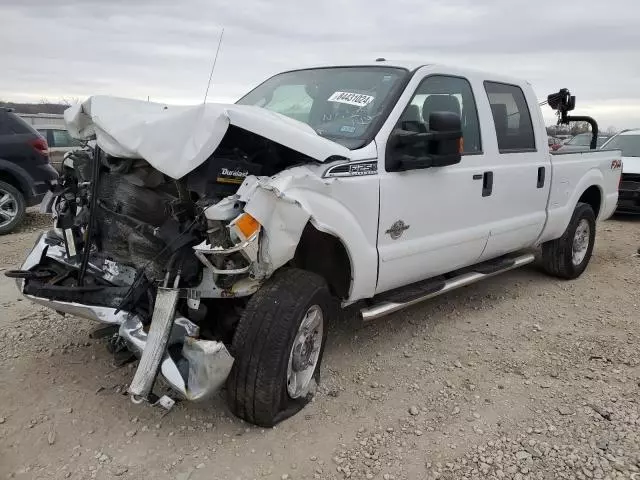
x=571 y=175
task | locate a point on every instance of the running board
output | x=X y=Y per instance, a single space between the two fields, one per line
x=470 y=276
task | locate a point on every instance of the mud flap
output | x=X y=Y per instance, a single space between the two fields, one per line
x=158 y=337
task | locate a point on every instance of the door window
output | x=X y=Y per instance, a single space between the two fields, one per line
x=62 y=139
x=511 y=118
x=441 y=93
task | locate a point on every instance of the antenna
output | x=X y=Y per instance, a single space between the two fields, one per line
x=215 y=59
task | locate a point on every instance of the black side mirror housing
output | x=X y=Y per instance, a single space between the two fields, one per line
x=439 y=147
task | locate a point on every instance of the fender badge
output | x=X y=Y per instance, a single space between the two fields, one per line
x=397 y=229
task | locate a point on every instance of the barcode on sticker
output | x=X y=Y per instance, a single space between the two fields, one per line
x=357 y=99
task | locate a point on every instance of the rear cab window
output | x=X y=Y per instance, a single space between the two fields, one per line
x=62 y=139
x=511 y=117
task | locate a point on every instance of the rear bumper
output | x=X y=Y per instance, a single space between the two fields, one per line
x=42 y=176
x=193 y=368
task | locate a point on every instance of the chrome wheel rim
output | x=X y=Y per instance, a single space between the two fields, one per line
x=305 y=352
x=581 y=242
x=8 y=208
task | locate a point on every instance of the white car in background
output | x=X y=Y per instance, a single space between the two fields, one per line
x=581 y=142
x=60 y=143
x=629 y=192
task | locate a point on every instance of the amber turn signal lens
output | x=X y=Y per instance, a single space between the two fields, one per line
x=247 y=225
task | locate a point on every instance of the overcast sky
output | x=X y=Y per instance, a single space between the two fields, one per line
x=164 y=48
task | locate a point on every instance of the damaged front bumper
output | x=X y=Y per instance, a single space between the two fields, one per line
x=194 y=368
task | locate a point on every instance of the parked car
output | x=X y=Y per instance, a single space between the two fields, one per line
x=554 y=143
x=25 y=171
x=629 y=142
x=60 y=142
x=581 y=142
x=222 y=252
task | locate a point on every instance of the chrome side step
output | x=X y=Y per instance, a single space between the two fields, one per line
x=386 y=307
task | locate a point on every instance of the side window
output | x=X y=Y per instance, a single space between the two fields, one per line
x=44 y=134
x=511 y=117
x=61 y=138
x=441 y=93
x=292 y=101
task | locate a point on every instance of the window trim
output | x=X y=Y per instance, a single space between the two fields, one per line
x=506 y=151
x=473 y=96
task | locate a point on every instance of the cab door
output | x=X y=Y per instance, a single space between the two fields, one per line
x=521 y=170
x=432 y=220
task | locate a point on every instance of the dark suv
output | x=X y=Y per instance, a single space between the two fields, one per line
x=25 y=171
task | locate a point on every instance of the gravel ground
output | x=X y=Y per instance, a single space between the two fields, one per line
x=520 y=377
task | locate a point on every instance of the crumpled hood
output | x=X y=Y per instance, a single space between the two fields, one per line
x=177 y=139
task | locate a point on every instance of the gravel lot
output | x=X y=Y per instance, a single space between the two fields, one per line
x=520 y=377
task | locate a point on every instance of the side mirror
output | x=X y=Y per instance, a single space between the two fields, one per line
x=439 y=147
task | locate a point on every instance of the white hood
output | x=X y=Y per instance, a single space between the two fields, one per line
x=177 y=139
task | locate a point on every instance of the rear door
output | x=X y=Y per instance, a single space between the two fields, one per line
x=521 y=169
x=15 y=138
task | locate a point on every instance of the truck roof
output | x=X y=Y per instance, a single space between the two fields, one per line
x=631 y=131
x=412 y=65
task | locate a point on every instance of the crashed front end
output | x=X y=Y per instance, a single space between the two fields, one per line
x=169 y=264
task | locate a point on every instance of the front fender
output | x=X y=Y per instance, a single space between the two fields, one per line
x=344 y=208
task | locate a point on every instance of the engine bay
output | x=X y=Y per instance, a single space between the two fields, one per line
x=127 y=229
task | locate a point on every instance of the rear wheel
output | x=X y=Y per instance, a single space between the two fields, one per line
x=12 y=207
x=278 y=347
x=568 y=256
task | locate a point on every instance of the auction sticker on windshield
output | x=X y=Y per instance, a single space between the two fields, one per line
x=357 y=99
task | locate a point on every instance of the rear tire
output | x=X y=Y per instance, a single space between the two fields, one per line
x=568 y=256
x=278 y=346
x=12 y=208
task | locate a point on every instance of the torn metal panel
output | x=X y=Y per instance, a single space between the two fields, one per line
x=177 y=139
x=282 y=220
x=209 y=362
x=209 y=367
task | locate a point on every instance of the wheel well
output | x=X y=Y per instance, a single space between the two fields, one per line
x=325 y=255
x=11 y=179
x=592 y=197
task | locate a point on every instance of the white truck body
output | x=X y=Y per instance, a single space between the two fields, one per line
x=450 y=181
x=451 y=225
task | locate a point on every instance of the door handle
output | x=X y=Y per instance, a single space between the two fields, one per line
x=487 y=184
x=541 y=175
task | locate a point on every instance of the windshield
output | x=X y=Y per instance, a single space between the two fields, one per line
x=584 y=140
x=343 y=104
x=629 y=144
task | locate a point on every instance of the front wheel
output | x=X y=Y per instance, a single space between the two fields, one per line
x=568 y=256
x=278 y=347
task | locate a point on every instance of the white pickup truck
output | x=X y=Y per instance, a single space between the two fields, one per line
x=217 y=241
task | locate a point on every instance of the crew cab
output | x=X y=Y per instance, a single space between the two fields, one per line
x=219 y=240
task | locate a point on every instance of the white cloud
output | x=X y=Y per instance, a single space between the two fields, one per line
x=163 y=49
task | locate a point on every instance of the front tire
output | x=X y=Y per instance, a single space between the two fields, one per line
x=568 y=256
x=278 y=346
x=12 y=208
